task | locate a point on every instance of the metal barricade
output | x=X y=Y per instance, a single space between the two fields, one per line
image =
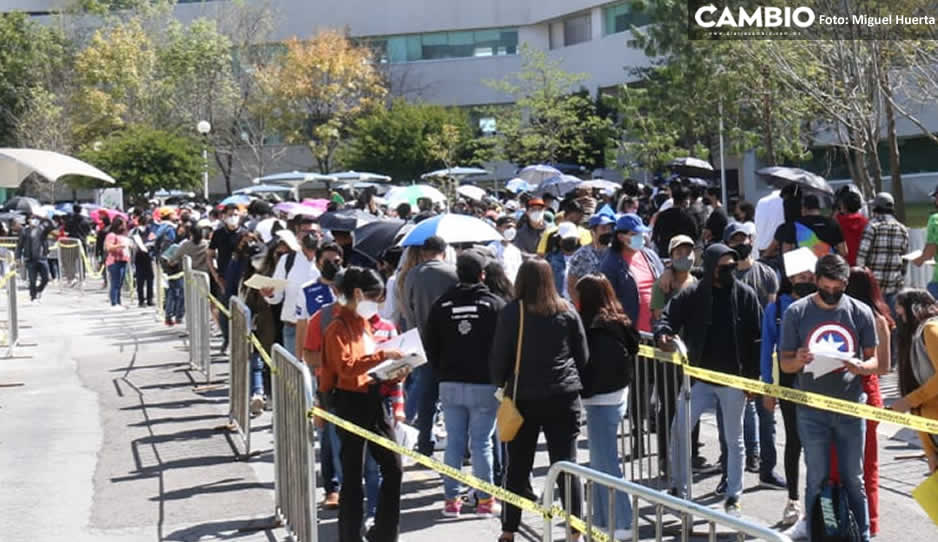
x=239 y=370
x=10 y=244
x=294 y=459
x=71 y=264
x=13 y=319
x=653 y=403
x=199 y=315
x=159 y=288
x=663 y=503
x=186 y=296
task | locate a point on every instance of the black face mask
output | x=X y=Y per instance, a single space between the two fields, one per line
x=569 y=245
x=606 y=238
x=830 y=298
x=743 y=251
x=803 y=289
x=726 y=274
x=310 y=242
x=329 y=270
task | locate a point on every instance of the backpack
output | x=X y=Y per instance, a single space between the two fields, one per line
x=831 y=519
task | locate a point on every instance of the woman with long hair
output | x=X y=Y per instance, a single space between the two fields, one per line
x=863 y=286
x=349 y=353
x=117 y=247
x=917 y=313
x=553 y=355
x=410 y=259
x=613 y=343
x=497 y=280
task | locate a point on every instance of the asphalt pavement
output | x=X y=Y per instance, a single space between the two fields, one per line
x=107 y=435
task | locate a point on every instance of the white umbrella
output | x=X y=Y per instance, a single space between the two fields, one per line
x=17 y=164
x=455 y=173
x=453 y=229
x=410 y=194
x=601 y=184
x=539 y=173
x=353 y=176
x=559 y=185
x=295 y=179
x=472 y=192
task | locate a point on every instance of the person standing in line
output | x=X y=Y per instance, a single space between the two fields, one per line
x=930 y=252
x=852 y=223
x=143 y=264
x=885 y=240
x=532 y=227
x=613 y=344
x=505 y=251
x=459 y=331
x=33 y=250
x=586 y=259
x=221 y=247
x=676 y=220
x=831 y=320
x=554 y=353
x=117 y=247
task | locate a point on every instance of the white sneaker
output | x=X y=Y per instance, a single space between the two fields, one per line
x=792 y=513
x=622 y=535
x=257 y=404
x=799 y=531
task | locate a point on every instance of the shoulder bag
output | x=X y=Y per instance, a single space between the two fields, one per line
x=508 y=419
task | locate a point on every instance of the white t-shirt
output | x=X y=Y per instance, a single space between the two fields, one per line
x=509 y=256
x=303 y=271
x=770 y=214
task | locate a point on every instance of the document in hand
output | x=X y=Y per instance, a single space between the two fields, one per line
x=926 y=494
x=394 y=369
x=408 y=343
x=259 y=282
x=826 y=360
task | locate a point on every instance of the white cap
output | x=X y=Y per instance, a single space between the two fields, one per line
x=800 y=260
x=568 y=230
x=287 y=237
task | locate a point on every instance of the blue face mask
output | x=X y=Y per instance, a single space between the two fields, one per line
x=637 y=242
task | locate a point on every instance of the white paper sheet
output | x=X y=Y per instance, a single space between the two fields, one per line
x=259 y=282
x=408 y=343
x=826 y=362
x=394 y=369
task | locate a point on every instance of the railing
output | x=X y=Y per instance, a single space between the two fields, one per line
x=239 y=370
x=294 y=460
x=159 y=287
x=71 y=264
x=198 y=318
x=686 y=510
x=13 y=319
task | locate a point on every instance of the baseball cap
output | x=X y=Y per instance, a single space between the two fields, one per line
x=568 y=230
x=470 y=263
x=738 y=227
x=884 y=200
x=536 y=201
x=679 y=240
x=631 y=222
x=601 y=220
x=799 y=260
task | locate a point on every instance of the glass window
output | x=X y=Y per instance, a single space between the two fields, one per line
x=621 y=17
x=577 y=29
x=487 y=125
x=457 y=44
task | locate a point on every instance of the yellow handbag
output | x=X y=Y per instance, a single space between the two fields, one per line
x=508 y=420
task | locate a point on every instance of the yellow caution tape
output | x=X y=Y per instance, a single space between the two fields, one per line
x=6 y=278
x=499 y=493
x=814 y=400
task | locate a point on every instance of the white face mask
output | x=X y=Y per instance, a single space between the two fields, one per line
x=232 y=221
x=536 y=216
x=509 y=234
x=366 y=309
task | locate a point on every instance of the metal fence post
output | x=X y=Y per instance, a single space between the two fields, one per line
x=199 y=318
x=239 y=370
x=13 y=322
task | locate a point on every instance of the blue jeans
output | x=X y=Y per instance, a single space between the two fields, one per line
x=422 y=396
x=819 y=430
x=257 y=374
x=175 y=300
x=115 y=273
x=469 y=412
x=602 y=423
x=329 y=459
x=289 y=337
x=758 y=435
x=37 y=269
x=705 y=397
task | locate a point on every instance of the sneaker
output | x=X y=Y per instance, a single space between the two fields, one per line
x=169 y=322
x=799 y=531
x=622 y=535
x=771 y=480
x=257 y=404
x=331 y=502
x=721 y=487
x=470 y=499
x=369 y=523
x=451 y=508
x=792 y=513
x=699 y=464
x=488 y=508
x=752 y=464
x=732 y=508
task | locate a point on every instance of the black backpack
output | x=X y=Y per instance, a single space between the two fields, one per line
x=831 y=519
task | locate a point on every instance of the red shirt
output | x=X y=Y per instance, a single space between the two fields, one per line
x=645 y=281
x=852 y=227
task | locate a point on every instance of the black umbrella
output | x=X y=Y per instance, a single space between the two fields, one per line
x=345 y=220
x=779 y=177
x=374 y=238
x=691 y=167
x=22 y=204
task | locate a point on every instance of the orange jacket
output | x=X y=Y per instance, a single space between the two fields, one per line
x=344 y=353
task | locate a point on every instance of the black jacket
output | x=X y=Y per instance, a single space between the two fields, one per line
x=690 y=314
x=554 y=353
x=33 y=243
x=612 y=352
x=459 y=331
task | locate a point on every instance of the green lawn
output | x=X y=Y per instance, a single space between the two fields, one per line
x=916 y=214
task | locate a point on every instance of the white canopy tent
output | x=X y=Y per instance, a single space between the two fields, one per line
x=17 y=164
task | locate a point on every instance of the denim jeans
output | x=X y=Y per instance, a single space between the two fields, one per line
x=758 y=435
x=602 y=423
x=329 y=459
x=37 y=269
x=819 y=430
x=175 y=300
x=421 y=402
x=115 y=273
x=705 y=397
x=469 y=412
x=289 y=337
x=257 y=374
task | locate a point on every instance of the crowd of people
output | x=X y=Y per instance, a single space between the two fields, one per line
x=552 y=315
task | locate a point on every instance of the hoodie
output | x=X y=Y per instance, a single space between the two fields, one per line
x=700 y=312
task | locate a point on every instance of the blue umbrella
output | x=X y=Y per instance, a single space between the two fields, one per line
x=237 y=199
x=452 y=228
x=519 y=185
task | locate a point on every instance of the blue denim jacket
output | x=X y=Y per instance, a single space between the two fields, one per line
x=617 y=271
x=559 y=266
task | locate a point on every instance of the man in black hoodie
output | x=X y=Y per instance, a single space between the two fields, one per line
x=700 y=313
x=457 y=336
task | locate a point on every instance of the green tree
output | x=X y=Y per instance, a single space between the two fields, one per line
x=550 y=121
x=143 y=159
x=408 y=139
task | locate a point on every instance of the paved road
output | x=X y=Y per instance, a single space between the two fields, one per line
x=105 y=437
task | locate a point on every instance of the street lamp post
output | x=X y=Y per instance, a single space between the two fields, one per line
x=204 y=128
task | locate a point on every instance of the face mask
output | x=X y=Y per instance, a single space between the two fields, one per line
x=258 y=263
x=341 y=299
x=310 y=242
x=366 y=309
x=329 y=270
x=637 y=242
x=536 y=216
x=803 y=289
x=569 y=245
x=830 y=298
x=232 y=222
x=743 y=250
x=509 y=234
x=33 y=222
x=682 y=264
x=727 y=274
x=605 y=239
